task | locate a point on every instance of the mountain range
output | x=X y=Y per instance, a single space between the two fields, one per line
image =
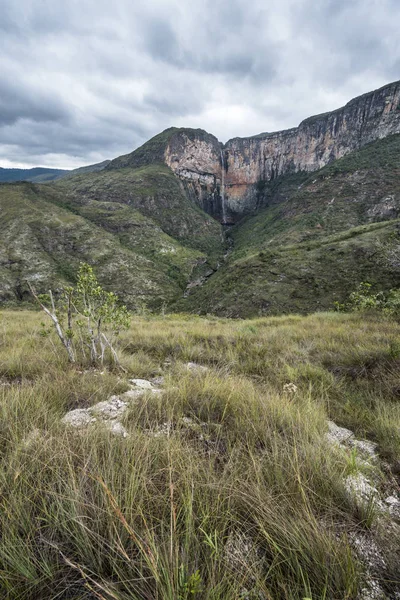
x=44 y=174
x=279 y=222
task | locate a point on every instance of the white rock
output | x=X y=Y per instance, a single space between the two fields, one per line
x=239 y=551
x=369 y=553
x=116 y=428
x=141 y=383
x=79 y=418
x=392 y=500
x=393 y=504
x=368 y=449
x=359 y=488
x=162 y=430
x=367 y=550
x=372 y=591
x=338 y=435
x=113 y=408
x=290 y=388
x=196 y=368
x=132 y=395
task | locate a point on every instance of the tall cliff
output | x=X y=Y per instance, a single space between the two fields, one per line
x=193 y=155
x=227 y=180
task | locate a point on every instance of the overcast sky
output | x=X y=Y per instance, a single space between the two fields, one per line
x=86 y=80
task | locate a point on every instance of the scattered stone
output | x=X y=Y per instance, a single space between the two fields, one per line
x=189 y=422
x=132 y=394
x=345 y=438
x=184 y=424
x=241 y=555
x=372 y=590
x=113 y=408
x=370 y=555
x=161 y=430
x=338 y=435
x=116 y=428
x=196 y=368
x=239 y=551
x=79 y=418
x=393 y=504
x=367 y=550
x=360 y=489
x=110 y=412
x=141 y=383
x=290 y=388
x=368 y=449
x=158 y=380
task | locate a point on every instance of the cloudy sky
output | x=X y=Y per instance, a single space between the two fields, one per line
x=85 y=80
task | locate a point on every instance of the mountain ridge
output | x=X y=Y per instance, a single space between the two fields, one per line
x=225 y=179
x=45 y=174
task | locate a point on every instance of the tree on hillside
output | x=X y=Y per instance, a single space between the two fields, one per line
x=86 y=318
x=364 y=298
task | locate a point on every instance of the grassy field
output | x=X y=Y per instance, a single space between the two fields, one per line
x=242 y=496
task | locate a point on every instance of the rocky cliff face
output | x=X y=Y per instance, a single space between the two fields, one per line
x=227 y=180
x=308 y=147
x=195 y=157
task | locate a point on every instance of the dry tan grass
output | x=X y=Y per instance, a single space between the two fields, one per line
x=87 y=515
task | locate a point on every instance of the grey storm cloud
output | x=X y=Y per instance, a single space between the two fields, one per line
x=19 y=101
x=85 y=81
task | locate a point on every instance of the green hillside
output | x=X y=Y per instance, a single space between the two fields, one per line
x=299 y=278
x=152 y=190
x=360 y=188
x=45 y=174
x=44 y=243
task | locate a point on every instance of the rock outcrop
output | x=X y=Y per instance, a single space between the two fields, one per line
x=109 y=413
x=308 y=147
x=227 y=180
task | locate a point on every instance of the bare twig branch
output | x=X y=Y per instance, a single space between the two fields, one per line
x=64 y=340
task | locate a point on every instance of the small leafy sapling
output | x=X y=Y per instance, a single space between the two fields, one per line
x=87 y=318
x=364 y=299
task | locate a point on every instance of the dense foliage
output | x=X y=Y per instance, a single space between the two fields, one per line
x=364 y=298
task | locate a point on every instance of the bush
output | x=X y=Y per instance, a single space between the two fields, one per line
x=365 y=299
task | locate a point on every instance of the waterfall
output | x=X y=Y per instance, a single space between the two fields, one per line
x=223 y=188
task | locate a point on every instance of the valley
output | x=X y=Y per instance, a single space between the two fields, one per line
x=185 y=223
